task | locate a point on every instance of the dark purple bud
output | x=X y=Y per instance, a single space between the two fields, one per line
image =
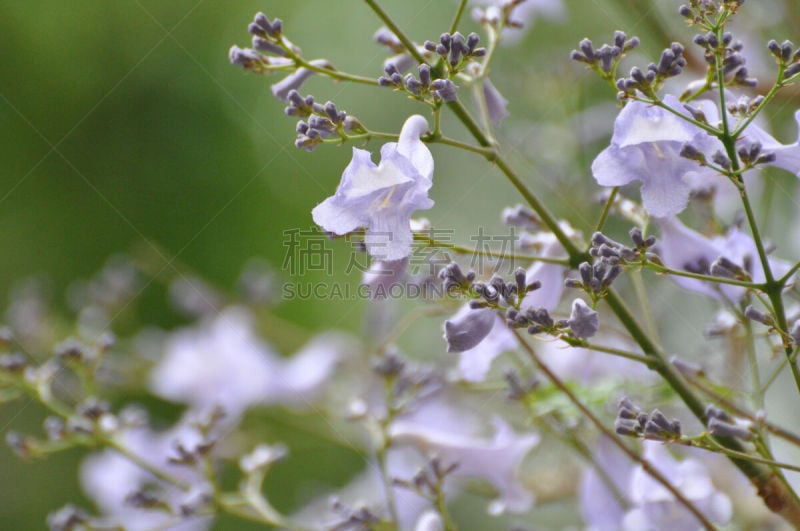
x=619 y=39
x=424 y=74
x=472 y=41
x=588 y=50
x=751 y=313
x=264 y=46
x=445 y=89
x=720 y=428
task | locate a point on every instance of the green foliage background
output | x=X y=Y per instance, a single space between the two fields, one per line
x=123 y=127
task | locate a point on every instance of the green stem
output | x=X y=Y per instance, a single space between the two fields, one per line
x=749 y=457
x=658 y=268
x=457 y=17
x=606 y=209
x=774 y=493
x=401 y=36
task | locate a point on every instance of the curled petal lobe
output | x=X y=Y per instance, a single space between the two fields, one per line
x=468 y=328
x=583 y=321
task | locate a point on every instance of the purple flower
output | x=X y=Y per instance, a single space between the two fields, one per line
x=495 y=461
x=683 y=249
x=583 y=321
x=222 y=362
x=645 y=147
x=382 y=197
x=651 y=505
x=467 y=328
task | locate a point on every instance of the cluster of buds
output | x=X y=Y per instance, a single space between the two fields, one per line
x=605 y=59
x=498 y=291
x=267 y=39
x=456 y=49
x=731 y=52
x=536 y=320
x=745 y=106
x=704 y=11
x=323 y=121
x=632 y=421
x=419 y=88
x=454 y=280
x=670 y=64
x=788 y=58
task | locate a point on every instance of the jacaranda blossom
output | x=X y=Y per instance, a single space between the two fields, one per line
x=683 y=249
x=646 y=147
x=650 y=505
x=495 y=461
x=382 y=197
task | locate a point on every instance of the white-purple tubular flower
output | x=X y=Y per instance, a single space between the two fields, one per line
x=382 y=197
x=683 y=249
x=295 y=81
x=656 y=507
x=787 y=156
x=223 y=363
x=583 y=321
x=646 y=145
x=495 y=461
x=651 y=505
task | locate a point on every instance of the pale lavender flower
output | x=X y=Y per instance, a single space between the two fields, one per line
x=495 y=461
x=656 y=508
x=683 y=249
x=382 y=197
x=650 y=505
x=468 y=327
x=223 y=363
x=645 y=146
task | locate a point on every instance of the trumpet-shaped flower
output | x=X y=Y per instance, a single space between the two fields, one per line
x=651 y=505
x=646 y=147
x=683 y=249
x=495 y=461
x=382 y=197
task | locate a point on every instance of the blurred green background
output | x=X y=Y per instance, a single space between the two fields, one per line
x=124 y=127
